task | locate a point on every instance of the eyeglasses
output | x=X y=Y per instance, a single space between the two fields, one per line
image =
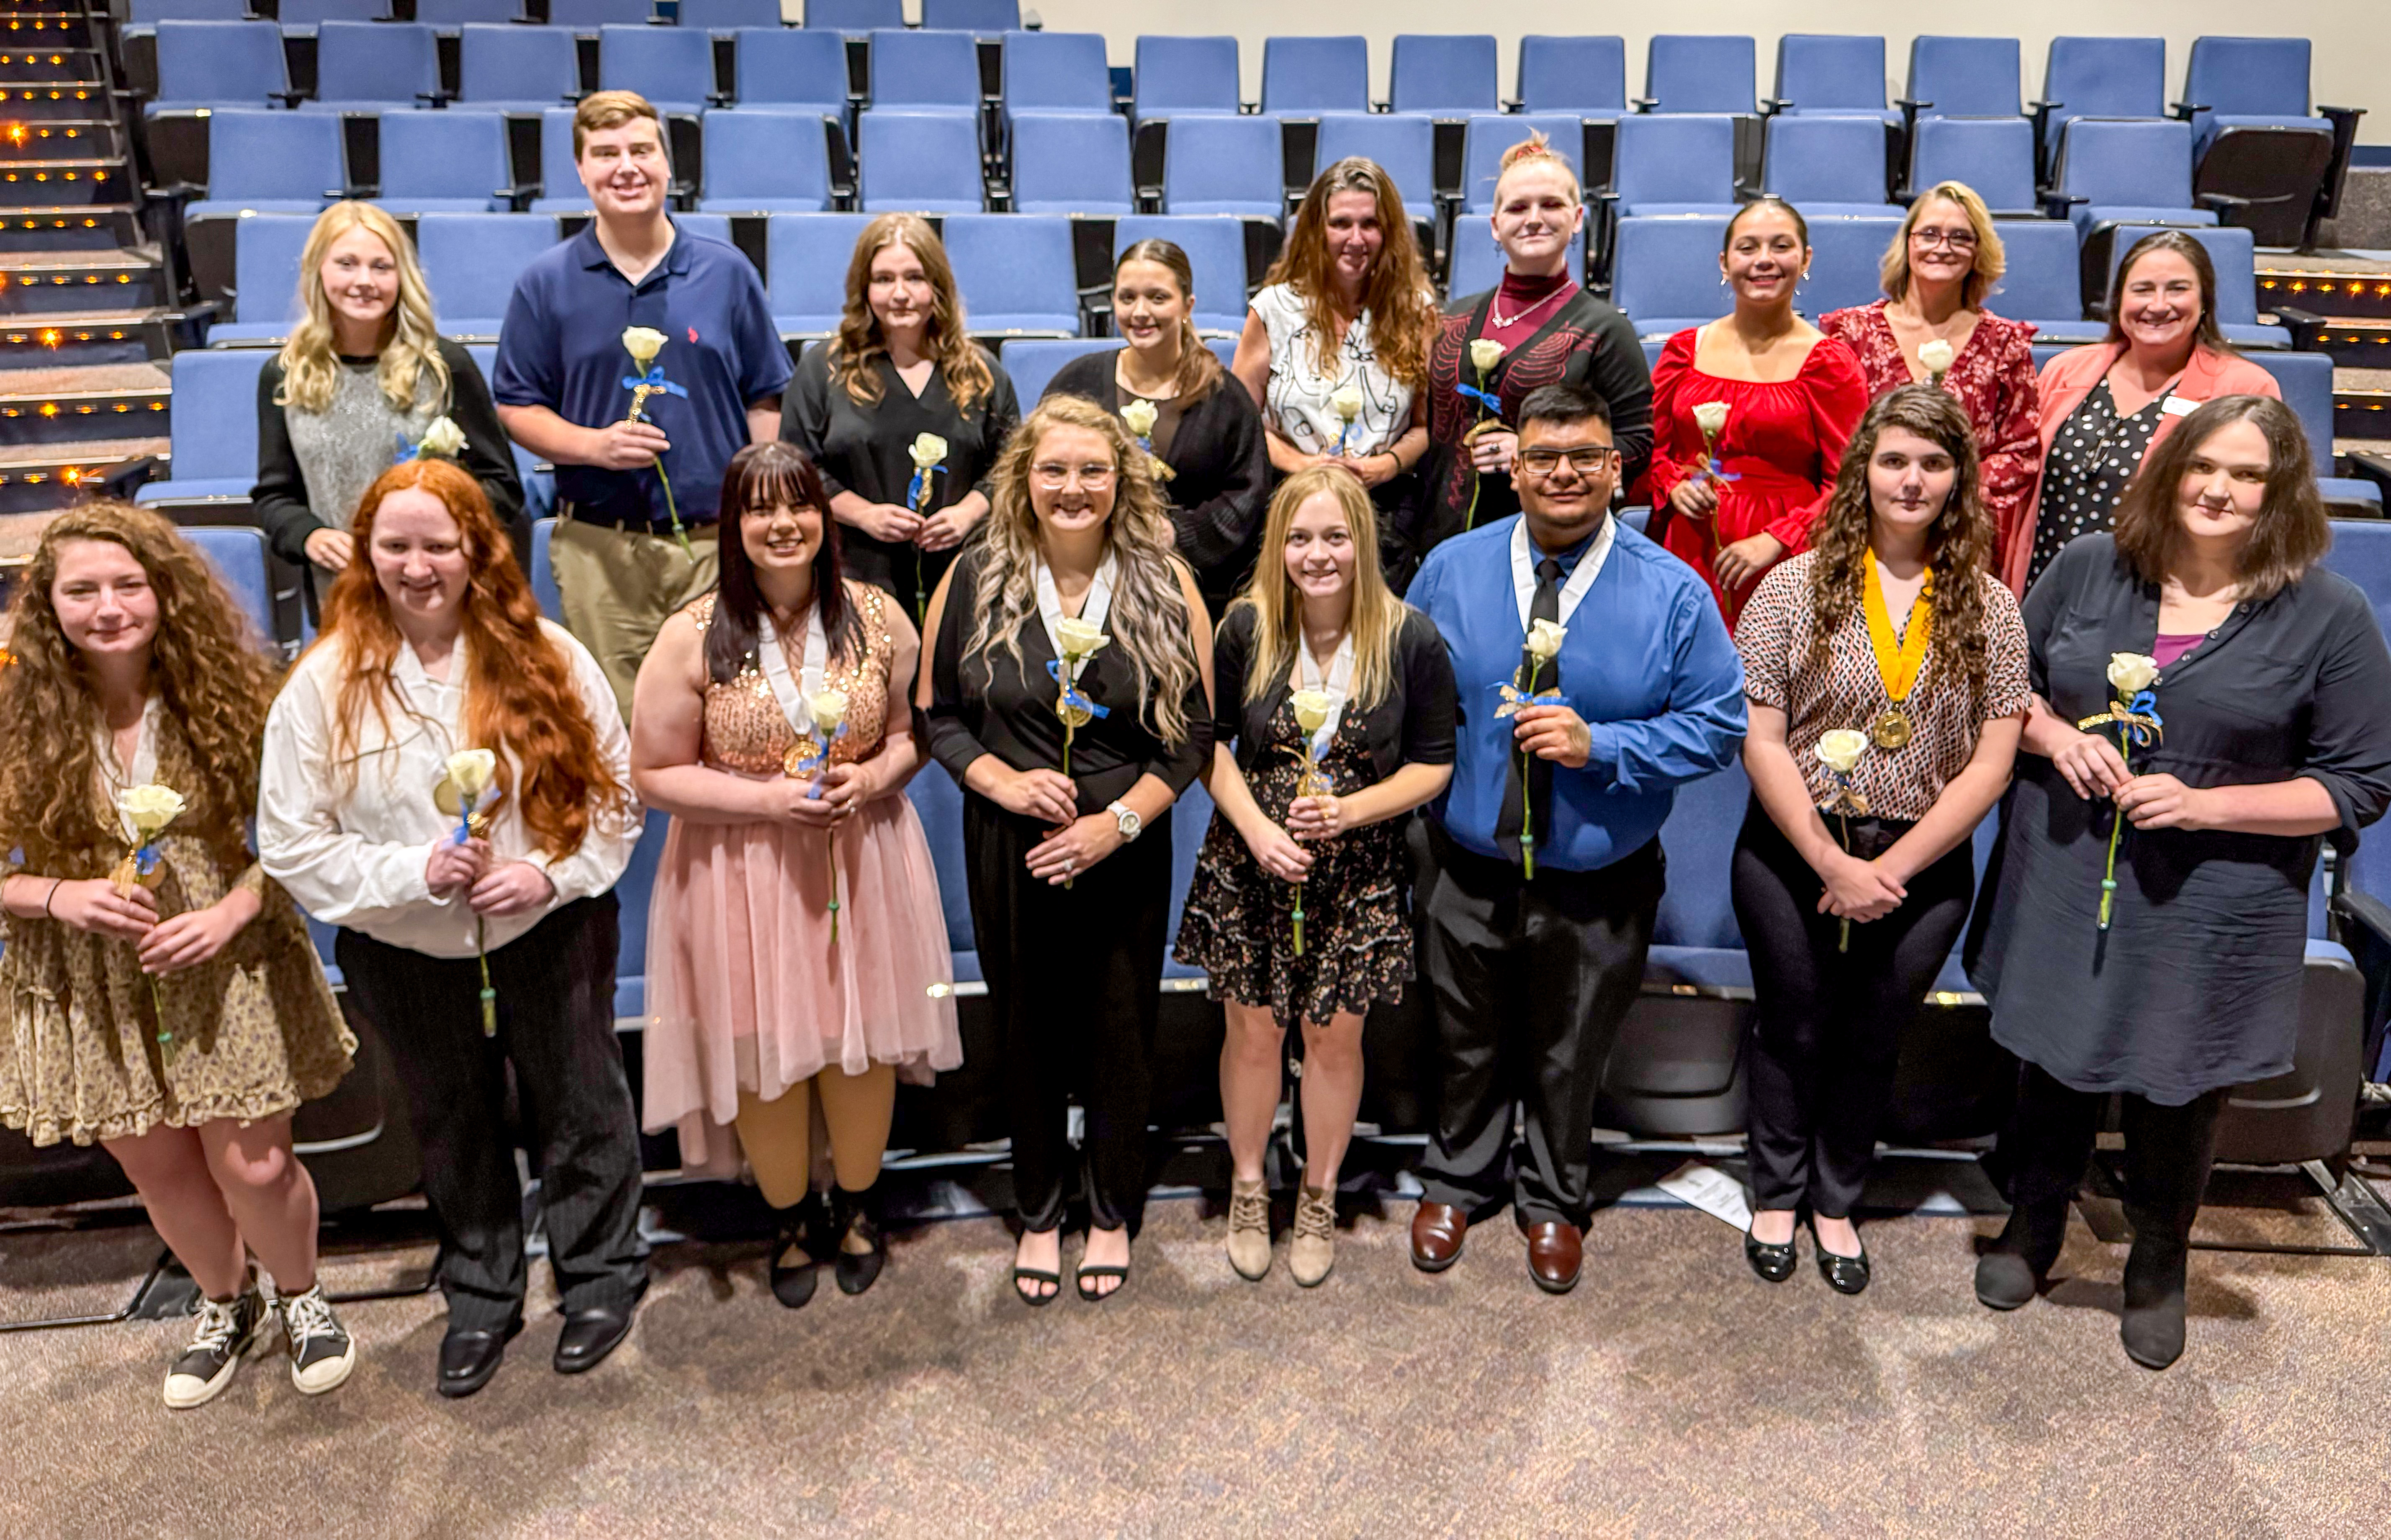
x=1958 y=241
x=1053 y=478
x=1585 y=459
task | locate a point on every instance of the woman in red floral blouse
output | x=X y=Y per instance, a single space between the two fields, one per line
x=1940 y=266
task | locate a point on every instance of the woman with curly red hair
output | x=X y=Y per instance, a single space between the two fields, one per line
x=177 y=1021
x=478 y=926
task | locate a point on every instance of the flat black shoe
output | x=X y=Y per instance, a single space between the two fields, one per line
x=1843 y=1275
x=589 y=1335
x=793 y=1283
x=1774 y=1263
x=857 y=1215
x=469 y=1358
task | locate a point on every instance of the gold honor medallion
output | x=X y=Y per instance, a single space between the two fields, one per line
x=1890 y=730
x=792 y=764
x=1897 y=663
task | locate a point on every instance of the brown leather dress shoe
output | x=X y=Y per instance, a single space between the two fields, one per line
x=1555 y=1251
x=1437 y=1231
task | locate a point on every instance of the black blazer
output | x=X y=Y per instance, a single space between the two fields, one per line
x=1413 y=723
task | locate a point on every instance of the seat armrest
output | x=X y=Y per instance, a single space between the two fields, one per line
x=2185 y=109
x=1643 y=104
x=288 y=98
x=1770 y=105
x=434 y=98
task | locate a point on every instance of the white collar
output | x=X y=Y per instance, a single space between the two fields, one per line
x=1589 y=567
x=796 y=695
x=1338 y=686
x=1097 y=605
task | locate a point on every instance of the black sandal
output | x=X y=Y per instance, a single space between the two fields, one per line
x=856 y=1215
x=1097 y=1270
x=1034 y=1275
x=794 y=1229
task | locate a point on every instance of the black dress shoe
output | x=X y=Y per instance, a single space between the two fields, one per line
x=469 y=1358
x=1774 y=1263
x=857 y=1215
x=1843 y=1275
x=795 y=1230
x=589 y=1335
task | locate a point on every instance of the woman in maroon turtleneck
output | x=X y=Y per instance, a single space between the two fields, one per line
x=1551 y=331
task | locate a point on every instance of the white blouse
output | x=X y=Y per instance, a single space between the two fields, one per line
x=351 y=850
x=1298 y=393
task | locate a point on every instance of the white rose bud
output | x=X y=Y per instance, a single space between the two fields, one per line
x=2132 y=672
x=1711 y=417
x=927 y=451
x=442 y=438
x=1077 y=638
x=472 y=771
x=1936 y=356
x=830 y=711
x=147 y=809
x=1841 y=749
x=1140 y=415
x=1484 y=353
x=1347 y=402
x=1311 y=709
x=643 y=343
x=1544 y=640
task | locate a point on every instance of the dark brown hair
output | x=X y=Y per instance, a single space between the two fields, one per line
x=2291 y=534
x=2206 y=335
x=1199 y=371
x=1765 y=200
x=760 y=478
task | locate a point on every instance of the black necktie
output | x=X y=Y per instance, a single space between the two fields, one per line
x=1546 y=605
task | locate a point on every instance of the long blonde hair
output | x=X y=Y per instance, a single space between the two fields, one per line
x=1148 y=619
x=1402 y=305
x=857 y=340
x=1376 y=616
x=311 y=368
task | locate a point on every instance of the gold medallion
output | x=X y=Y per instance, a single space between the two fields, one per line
x=1890 y=730
x=794 y=762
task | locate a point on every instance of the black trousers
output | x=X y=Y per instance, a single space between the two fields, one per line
x=1830 y=1024
x=1075 y=975
x=2168 y=1150
x=1531 y=980
x=556 y=1026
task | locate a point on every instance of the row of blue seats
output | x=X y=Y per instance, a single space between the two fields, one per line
x=853 y=16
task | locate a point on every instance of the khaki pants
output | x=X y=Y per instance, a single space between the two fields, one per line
x=618 y=588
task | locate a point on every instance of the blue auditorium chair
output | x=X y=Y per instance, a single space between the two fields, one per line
x=2234 y=256
x=923 y=71
x=983 y=17
x=633 y=892
x=588 y=15
x=711 y=227
x=214 y=425
x=791 y=67
x=220 y=64
x=452 y=15
x=538 y=480
x=266 y=279
x=503 y=68
x=2099 y=77
x=1964 y=77
x=1215 y=244
x=1477 y=262
x=1685 y=73
x=1071 y=164
x=1675 y=164
x=1664 y=271
x=720 y=17
x=1993 y=156
x=1225 y=165
x=1015 y=273
x=1404 y=146
x=471 y=263
x=1836 y=76
x=1846 y=258
x=673 y=67
x=1190 y=816
x=1056 y=72
x=1031 y=362
x=765 y=160
x=939 y=804
x=1584 y=75
x=364 y=65
x=1176 y=76
x=145 y=15
x=2044 y=281
x=1305 y=76
x=2113 y=173
x=928 y=162
x=855 y=16
x=273 y=162
x=445 y=163
x=1487 y=136
x=1826 y=166
x=806 y=258
x=301 y=15
x=1695 y=937
x=2305 y=380
x=543 y=570
x=237 y=554
x=561 y=191
x=2248 y=83
x=1446 y=75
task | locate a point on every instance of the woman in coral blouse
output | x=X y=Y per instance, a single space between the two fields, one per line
x=1788 y=396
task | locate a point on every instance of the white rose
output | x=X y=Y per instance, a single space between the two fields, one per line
x=1936 y=356
x=1841 y=749
x=2132 y=672
x=1077 y=638
x=1544 y=640
x=1347 y=402
x=1711 y=417
x=1311 y=709
x=928 y=451
x=1140 y=415
x=830 y=711
x=472 y=771
x=1484 y=353
x=442 y=438
x=643 y=343
x=147 y=809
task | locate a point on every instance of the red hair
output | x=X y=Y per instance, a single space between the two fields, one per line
x=520 y=698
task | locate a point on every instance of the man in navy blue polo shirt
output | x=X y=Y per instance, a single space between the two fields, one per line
x=636 y=499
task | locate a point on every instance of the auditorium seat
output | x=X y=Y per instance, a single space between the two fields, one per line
x=1403 y=147
x=307 y=15
x=791 y=67
x=503 y=68
x=1826 y=165
x=266 y=279
x=445 y=163
x=2248 y=83
x=1664 y=271
x=590 y=15
x=272 y=162
x=1303 y=77
x=1686 y=73
x=925 y=70
x=635 y=892
x=1190 y=816
x=220 y=64
x=983 y=17
x=1215 y=244
x=543 y=570
x=1056 y=72
x=2111 y=172
x=237 y=554
x=1031 y=362
x=806 y=258
x=2260 y=157
x=1994 y=156
x=1834 y=75
x=212 y=418
x=672 y=67
x=561 y=191
x=2232 y=253
x=1677 y=164
x=765 y=160
x=471 y=263
x=1071 y=162
x=2099 y=77
x=924 y=162
x=1964 y=77
x=1477 y=262
x=1488 y=134
x=537 y=478
x=365 y=65
x=2305 y=380
x=939 y=804
x=1177 y=76
x=1846 y=262
x=2044 y=281
x=1584 y=75
x=452 y=15
x=1015 y=273
x=721 y=17
x=855 y=16
x=145 y=15
x=1443 y=74
x=1225 y=165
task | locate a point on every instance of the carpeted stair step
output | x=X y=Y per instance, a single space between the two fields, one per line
x=50 y=29
x=2361 y=404
x=45 y=183
x=90 y=337
x=54 y=99
x=93 y=403
x=61 y=139
x=33 y=477
x=24 y=59
x=35 y=284
x=65 y=227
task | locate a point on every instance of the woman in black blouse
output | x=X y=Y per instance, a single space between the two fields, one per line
x=1071 y=601
x=901 y=366
x=1204 y=429
x=1890 y=633
x=1318 y=668
x=2265 y=730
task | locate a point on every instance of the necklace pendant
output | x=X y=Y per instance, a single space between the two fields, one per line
x=1890 y=730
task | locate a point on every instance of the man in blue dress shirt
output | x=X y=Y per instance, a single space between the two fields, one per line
x=1540 y=867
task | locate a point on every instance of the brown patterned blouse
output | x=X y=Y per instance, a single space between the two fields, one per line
x=745 y=732
x=1775 y=636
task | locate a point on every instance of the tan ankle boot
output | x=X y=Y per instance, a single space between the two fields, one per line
x=1313 y=1251
x=1248 y=1245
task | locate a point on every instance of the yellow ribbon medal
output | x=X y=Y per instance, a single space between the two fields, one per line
x=1898 y=664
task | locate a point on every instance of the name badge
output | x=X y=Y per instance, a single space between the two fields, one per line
x=2177 y=406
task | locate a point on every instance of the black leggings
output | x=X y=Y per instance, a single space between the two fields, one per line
x=2168 y=1151
x=1830 y=1024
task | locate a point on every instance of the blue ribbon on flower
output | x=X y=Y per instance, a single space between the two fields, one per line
x=406 y=451
x=1071 y=695
x=1515 y=700
x=1717 y=471
x=654 y=381
x=920 y=482
x=1490 y=400
x=812 y=763
x=2137 y=720
x=145 y=859
x=465 y=819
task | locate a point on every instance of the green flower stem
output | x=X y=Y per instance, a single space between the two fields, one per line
x=1469 y=520
x=489 y=995
x=1527 y=772
x=1843 y=940
x=2116 y=828
x=673 y=513
x=834 y=887
x=1299 y=917
x=1068 y=731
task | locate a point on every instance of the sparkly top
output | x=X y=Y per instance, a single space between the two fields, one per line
x=745 y=732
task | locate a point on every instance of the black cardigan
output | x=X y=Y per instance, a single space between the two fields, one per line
x=1222 y=482
x=1413 y=723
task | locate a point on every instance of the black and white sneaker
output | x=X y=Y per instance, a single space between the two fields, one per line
x=322 y=1352
x=224 y=1332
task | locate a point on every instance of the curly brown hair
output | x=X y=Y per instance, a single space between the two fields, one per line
x=1958 y=542
x=1402 y=305
x=857 y=340
x=213 y=673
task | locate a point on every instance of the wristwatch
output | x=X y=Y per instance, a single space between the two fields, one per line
x=1132 y=825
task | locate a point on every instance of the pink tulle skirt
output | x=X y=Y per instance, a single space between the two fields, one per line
x=747 y=992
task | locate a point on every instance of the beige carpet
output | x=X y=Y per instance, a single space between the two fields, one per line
x=1672 y=1394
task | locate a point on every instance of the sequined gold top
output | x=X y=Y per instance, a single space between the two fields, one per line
x=745 y=732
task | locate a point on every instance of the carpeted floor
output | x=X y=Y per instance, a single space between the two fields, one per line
x=1672 y=1394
